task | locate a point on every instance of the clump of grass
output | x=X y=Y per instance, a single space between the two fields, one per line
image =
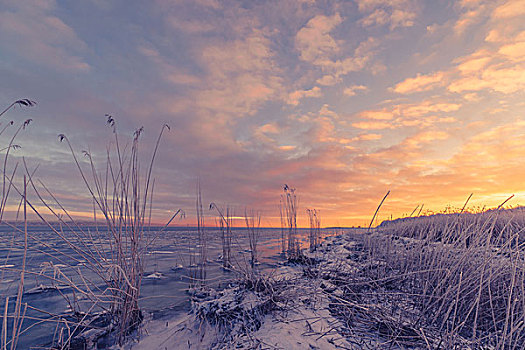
x=283 y=226
x=112 y=257
x=315 y=228
x=253 y=224
x=10 y=339
x=225 y=226
x=202 y=238
x=289 y=221
x=465 y=276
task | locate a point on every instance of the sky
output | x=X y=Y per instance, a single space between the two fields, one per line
x=341 y=100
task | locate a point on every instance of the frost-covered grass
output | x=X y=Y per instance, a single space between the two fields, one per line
x=459 y=284
x=465 y=273
x=102 y=265
x=12 y=321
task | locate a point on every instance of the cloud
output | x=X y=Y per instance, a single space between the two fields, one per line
x=496 y=66
x=209 y=3
x=378 y=17
x=317 y=46
x=362 y=55
x=325 y=111
x=425 y=137
x=470 y=17
x=474 y=65
x=167 y=71
x=422 y=114
x=369 y=137
x=354 y=89
x=372 y=125
x=267 y=135
x=328 y=80
x=387 y=12
x=31 y=30
x=515 y=51
x=472 y=96
x=314 y=41
x=270 y=128
x=295 y=96
x=241 y=75
x=383 y=114
x=509 y=9
x=397 y=18
x=368 y=5
x=190 y=26
x=427 y=106
x=504 y=80
x=287 y=148
x=419 y=83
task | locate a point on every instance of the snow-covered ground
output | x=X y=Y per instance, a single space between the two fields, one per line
x=339 y=298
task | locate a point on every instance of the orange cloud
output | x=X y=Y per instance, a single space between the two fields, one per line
x=382 y=114
x=470 y=17
x=372 y=125
x=515 y=52
x=369 y=137
x=425 y=137
x=505 y=80
x=474 y=65
x=419 y=83
x=407 y=114
x=512 y=8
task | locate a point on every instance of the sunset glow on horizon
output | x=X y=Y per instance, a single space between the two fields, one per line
x=341 y=100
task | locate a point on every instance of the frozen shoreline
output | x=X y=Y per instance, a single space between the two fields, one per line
x=295 y=315
x=344 y=296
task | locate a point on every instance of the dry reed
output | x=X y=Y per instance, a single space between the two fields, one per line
x=112 y=258
x=225 y=226
x=253 y=225
x=289 y=219
x=8 y=178
x=202 y=238
x=314 y=235
x=465 y=271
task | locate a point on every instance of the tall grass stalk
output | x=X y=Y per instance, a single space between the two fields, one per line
x=377 y=210
x=289 y=200
x=283 y=226
x=202 y=236
x=315 y=228
x=225 y=226
x=253 y=225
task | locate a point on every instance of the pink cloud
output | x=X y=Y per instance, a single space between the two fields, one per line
x=295 y=96
x=354 y=89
